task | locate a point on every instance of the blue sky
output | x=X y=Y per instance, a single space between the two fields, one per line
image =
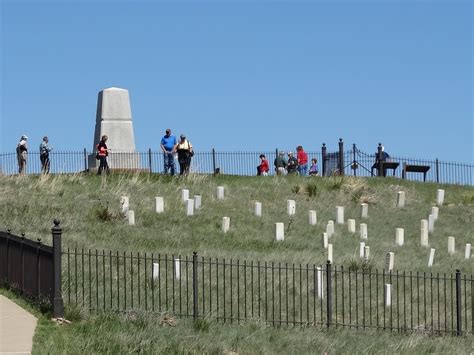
x=244 y=75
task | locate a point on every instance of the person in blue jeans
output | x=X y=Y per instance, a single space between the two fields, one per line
x=168 y=146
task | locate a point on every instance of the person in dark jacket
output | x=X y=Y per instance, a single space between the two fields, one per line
x=22 y=154
x=44 y=150
x=103 y=152
x=292 y=164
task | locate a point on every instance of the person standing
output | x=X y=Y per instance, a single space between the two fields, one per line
x=263 y=168
x=22 y=153
x=168 y=146
x=185 y=152
x=292 y=164
x=302 y=158
x=102 y=153
x=280 y=163
x=44 y=150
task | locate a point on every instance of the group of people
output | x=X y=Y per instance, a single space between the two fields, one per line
x=172 y=148
x=22 y=154
x=293 y=165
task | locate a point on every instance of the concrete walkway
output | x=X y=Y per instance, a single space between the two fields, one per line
x=17 y=328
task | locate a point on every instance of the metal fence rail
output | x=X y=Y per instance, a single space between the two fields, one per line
x=280 y=294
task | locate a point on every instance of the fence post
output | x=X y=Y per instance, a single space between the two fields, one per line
x=329 y=294
x=149 y=159
x=85 y=160
x=8 y=256
x=379 y=160
x=354 y=162
x=213 y=161
x=458 y=304
x=437 y=171
x=58 y=304
x=341 y=157
x=195 y=286
x=324 y=157
x=22 y=263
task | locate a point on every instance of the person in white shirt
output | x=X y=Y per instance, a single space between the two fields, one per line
x=22 y=154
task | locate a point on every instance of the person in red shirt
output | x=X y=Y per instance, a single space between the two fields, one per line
x=102 y=153
x=263 y=168
x=302 y=158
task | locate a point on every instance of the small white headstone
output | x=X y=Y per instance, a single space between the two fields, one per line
x=225 y=224
x=435 y=212
x=291 y=207
x=401 y=199
x=366 y=253
x=351 y=225
x=440 y=197
x=197 y=202
x=319 y=283
x=220 y=192
x=361 y=250
x=363 y=231
x=389 y=261
x=399 y=236
x=184 y=194
x=131 y=218
x=312 y=217
x=330 y=253
x=431 y=257
x=340 y=214
x=177 y=269
x=189 y=207
x=364 y=210
x=387 y=292
x=431 y=221
x=159 y=204
x=467 y=254
x=279 y=231
x=125 y=205
x=257 y=208
x=325 y=240
x=156 y=270
x=451 y=246
x=330 y=228
x=424 y=233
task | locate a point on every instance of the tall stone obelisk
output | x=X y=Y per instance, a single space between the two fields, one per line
x=114 y=119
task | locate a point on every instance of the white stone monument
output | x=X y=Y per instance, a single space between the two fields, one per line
x=319 y=282
x=225 y=224
x=431 y=257
x=399 y=236
x=291 y=207
x=424 y=233
x=330 y=228
x=177 y=269
x=114 y=119
x=366 y=253
x=361 y=250
x=431 y=220
x=351 y=225
x=197 y=202
x=279 y=231
x=329 y=251
x=185 y=195
x=451 y=245
x=363 y=231
x=387 y=291
x=467 y=253
x=220 y=192
x=190 y=207
x=435 y=212
x=440 y=197
x=312 y=217
x=340 y=214
x=131 y=218
x=125 y=205
x=159 y=204
x=156 y=270
x=325 y=240
x=364 y=210
x=401 y=199
x=257 y=209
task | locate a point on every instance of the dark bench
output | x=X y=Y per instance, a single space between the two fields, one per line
x=408 y=168
x=386 y=165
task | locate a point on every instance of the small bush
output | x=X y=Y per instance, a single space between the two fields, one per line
x=312 y=189
x=103 y=213
x=201 y=325
x=296 y=189
x=74 y=313
x=336 y=183
x=356 y=264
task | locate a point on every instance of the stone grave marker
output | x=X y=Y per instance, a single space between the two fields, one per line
x=131 y=218
x=351 y=225
x=440 y=197
x=401 y=199
x=431 y=257
x=330 y=229
x=363 y=231
x=197 y=202
x=291 y=207
x=399 y=236
x=185 y=195
x=431 y=221
x=467 y=253
x=366 y=253
x=177 y=268
x=387 y=292
x=424 y=233
x=329 y=251
x=312 y=217
x=389 y=261
x=257 y=209
x=319 y=282
x=156 y=271
x=159 y=204
x=435 y=212
x=225 y=224
x=325 y=240
x=451 y=246
x=279 y=231
x=125 y=205
x=361 y=250
x=220 y=192
x=364 y=210
x=340 y=214
x=190 y=207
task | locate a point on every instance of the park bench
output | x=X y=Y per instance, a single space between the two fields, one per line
x=415 y=169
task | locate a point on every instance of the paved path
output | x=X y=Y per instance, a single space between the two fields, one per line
x=17 y=328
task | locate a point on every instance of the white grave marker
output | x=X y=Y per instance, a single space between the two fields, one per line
x=363 y=231
x=399 y=236
x=340 y=214
x=291 y=207
x=387 y=292
x=177 y=269
x=125 y=205
x=435 y=212
x=225 y=224
x=257 y=208
x=330 y=253
x=361 y=250
x=189 y=207
x=330 y=228
x=424 y=233
x=351 y=225
x=401 y=199
x=389 y=261
x=279 y=231
x=197 y=202
x=159 y=204
x=440 y=197
x=451 y=246
x=325 y=240
x=184 y=194
x=220 y=192
x=366 y=253
x=312 y=217
x=364 y=210
x=467 y=253
x=431 y=221
x=131 y=218
x=431 y=258
x=319 y=282
x=156 y=270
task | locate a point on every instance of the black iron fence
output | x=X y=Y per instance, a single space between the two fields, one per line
x=280 y=294
x=341 y=162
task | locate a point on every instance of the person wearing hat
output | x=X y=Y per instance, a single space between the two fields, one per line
x=168 y=146
x=292 y=164
x=185 y=152
x=280 y=163
x=44 y=150
x=22 y=153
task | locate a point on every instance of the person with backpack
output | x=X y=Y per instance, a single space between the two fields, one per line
x=185 y=152
x=22 y=154
x=44 y=150
x=102 y=154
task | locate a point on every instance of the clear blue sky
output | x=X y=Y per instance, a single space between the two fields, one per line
x=244 y=75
